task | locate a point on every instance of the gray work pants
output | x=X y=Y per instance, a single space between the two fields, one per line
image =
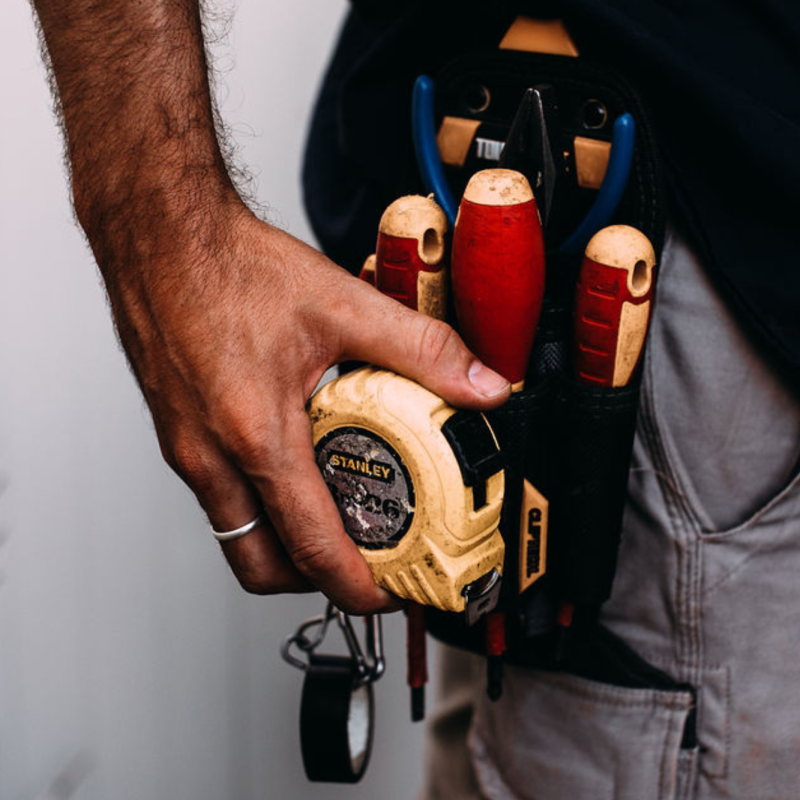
x=707 y=589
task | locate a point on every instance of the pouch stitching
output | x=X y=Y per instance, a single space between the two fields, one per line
x=687 y=773
x=728 y=731
x=683 y=523
x=726 y=724
x=662 y=776
x=670 y=487
x=782 y=496
x=695 y=600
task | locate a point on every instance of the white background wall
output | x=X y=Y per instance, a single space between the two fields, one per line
x=125 y=644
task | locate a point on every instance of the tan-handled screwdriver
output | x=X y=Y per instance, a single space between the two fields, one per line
x=612 y=305
x=409 y=266
x=409 y=256
x=367 y=272
x=613 y=300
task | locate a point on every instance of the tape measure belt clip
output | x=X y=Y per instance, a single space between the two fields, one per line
x=476 y=450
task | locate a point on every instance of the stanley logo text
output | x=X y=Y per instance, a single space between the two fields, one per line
x=358 y=465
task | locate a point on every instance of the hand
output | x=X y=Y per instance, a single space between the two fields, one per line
x=229 y=324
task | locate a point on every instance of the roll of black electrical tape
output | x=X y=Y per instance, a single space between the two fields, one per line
x=336 y=721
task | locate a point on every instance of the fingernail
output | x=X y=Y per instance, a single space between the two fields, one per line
x=486 y=381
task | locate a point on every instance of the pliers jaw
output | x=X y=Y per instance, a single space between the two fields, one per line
x=532 y=149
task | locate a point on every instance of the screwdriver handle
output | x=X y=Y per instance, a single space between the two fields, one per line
x=498 y=270
x=612 y=305
x=409 y=257
x=367 y=272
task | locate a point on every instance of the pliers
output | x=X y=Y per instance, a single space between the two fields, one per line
x=528 y=140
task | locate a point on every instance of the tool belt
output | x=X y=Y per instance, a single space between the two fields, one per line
x=570 y=441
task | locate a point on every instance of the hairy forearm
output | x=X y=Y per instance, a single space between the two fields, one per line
x=134 y=94
x=149 y=182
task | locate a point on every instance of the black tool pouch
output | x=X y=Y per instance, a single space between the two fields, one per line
x=517 y=426
x=588 y=486
x=570 y=441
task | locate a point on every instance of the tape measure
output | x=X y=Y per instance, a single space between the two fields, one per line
x=419 y=486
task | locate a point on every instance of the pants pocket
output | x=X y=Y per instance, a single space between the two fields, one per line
x=554 y=736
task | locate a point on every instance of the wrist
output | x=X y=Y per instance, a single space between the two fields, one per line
x=161 y=211
x=163 y=231
x=159 y=188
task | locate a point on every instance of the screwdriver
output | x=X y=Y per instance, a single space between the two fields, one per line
x=612 y=305
x=409 y=266
x=409 y=256
x=367 y=272
x=498 y=287
x=612 y=311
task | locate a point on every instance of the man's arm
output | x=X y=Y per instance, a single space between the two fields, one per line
x=228 y=323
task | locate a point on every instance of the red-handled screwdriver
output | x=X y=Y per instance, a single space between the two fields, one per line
x=498 y=270
x=498 y=287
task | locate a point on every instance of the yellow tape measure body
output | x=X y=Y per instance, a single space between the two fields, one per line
x=419 y=484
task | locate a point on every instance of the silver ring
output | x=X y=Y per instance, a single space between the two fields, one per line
x=228 y=536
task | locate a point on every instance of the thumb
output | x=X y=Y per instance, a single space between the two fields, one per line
x=424 y=349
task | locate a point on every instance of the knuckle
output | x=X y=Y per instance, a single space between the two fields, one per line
x=339 y=305
x=251 y=440
x=311 y=557
x=189 y=460
x=436 y=343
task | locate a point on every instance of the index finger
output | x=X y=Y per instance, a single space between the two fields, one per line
x=307 y=520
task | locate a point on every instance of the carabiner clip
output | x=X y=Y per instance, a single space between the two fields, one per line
x=369 y=665
x=337 y=711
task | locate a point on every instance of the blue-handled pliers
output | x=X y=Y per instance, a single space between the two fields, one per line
x=423 y=124
x=599 y=215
